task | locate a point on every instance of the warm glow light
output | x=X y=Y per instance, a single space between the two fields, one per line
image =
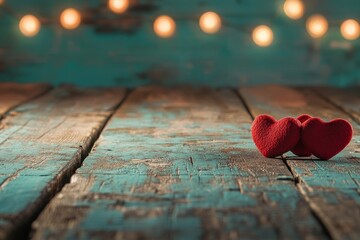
x=316 y=26
x=294 y=9
x=2 y=1
x=263 y=35
x=164 y=26
x=350 y=29
x=210 y=22
x=29 y=25
x=118 y=6
x=70 y=18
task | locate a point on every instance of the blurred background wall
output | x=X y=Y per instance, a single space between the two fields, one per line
x=110 y=49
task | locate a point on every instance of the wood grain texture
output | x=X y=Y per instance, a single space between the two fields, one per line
x=179 y=164
x=331 y=187
x=13 y=94
x=41 y=144
x=347 y=99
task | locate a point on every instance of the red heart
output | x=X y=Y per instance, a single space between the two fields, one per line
x=274 y=138
x=326 y=139
x=300 y=149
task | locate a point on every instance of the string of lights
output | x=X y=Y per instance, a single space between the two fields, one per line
x=210 y=22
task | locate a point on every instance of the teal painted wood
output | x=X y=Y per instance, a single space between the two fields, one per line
x=41 y=145
x=179 y=164
x=13 y=94
x=331 y=187
x=110 y=50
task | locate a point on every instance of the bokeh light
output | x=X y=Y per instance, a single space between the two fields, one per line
x=263 y=36
x=350 y=29
x=210 y=22
x=317 y=26
x=164 y=26
x=70 y=18
x=294 y=9
x=118 y=6
x=29 y=25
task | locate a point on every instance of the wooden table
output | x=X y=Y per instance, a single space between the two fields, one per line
x=169 y=163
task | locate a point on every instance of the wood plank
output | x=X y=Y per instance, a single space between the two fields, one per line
x=41 y=145
x=13 y=94
x=179 y=164
x=331 y=187
x=347 y=99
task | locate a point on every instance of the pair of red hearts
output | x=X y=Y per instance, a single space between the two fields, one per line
x=304 y=136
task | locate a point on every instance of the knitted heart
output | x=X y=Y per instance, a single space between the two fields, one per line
x=326 y=139
x=300 y=149
x=274 y=138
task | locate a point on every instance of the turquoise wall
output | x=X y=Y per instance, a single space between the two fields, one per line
x=123 y=50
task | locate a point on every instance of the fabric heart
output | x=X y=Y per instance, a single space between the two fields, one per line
x=274 y=138
x=326 y=139
x=300 y=149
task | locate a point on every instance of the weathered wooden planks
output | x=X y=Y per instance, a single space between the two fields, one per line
x=331 y=187
x=347 y=99
x=13 y=94
x=41 y=144
x=178 y=164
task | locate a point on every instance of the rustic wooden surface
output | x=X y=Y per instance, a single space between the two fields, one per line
x=173 y=164
x=41 y=144
x=179 y=164
x=13 y=94
x=347 y=100
x=332 y=187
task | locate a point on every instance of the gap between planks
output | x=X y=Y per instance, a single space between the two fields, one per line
x=257 y=186
x=84 y=153
x=326 y=222
x=314 y=209
x=24 y=93
x=23 y=224
x=297 y=181
x=247 y=107
x=324 y=92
